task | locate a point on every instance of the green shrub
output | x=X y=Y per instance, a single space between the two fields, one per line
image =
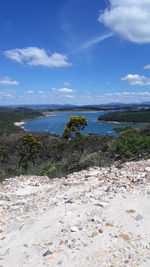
x=132 y=145
x=3 y=175
x=48 y=169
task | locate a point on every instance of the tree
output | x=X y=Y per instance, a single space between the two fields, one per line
x=30 y=146
x=75 y=125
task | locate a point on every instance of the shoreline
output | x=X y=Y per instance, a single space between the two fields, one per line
x=125 y=122
x=49 y=114
x=21 y=123
x=74 y=111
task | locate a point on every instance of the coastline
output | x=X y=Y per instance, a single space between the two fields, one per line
x=125 y=122
x=21 y=123
x=75 y=111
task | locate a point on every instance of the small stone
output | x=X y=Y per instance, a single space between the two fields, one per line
x=94 y=234
x=92 y=174
x=48 y=252
x=74 y=229
x=48 y=244
x=131 y=211
x=124 y=237
x=64 y=230
x=25 y=245
x=69 y=202
x=18 y=204
x=99 y=254
x=71 y=245
x=126 y=261
x=101 y=231
x=104 y=204
x=109 y=224
x=139 y=217
x=96 y=219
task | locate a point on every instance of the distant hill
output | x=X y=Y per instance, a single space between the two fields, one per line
x=138 y=116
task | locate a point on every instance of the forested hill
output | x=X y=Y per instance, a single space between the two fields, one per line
x=139 y=116
x=9 y=116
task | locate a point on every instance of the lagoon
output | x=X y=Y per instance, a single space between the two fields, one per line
x=55 y=124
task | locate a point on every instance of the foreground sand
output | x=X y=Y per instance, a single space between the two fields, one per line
x=99 y=217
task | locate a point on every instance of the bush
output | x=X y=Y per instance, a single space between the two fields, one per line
x=129 y=146
x=3 y=175
x=48 y=169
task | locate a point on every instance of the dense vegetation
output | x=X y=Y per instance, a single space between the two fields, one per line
x=9 y=116
x=43 y=154
x=140 y=116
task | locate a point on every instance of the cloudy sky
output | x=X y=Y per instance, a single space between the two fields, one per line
x=74 y=51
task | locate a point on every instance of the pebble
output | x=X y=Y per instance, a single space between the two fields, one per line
x=139 y=217
x=104 y=204
x=74 y=229
x=69 y=202
x=48 y=252
x=71 y=245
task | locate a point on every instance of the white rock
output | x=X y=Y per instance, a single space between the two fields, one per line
x=74 y=229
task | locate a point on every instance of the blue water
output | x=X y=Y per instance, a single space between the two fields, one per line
x=55 y=124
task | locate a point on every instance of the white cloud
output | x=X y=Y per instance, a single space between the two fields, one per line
x=8 y=81
x=41 y=92
x=136 y=80
x=95 y=40
x=121 y=97
x=35 y=56
x=30 y=92
x=129 y=19
x=147 y=67
x=66 y=90
x=62 y=90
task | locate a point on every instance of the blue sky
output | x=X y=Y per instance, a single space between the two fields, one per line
x=74 y=51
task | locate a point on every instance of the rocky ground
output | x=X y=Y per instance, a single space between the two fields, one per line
x=99 y=217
